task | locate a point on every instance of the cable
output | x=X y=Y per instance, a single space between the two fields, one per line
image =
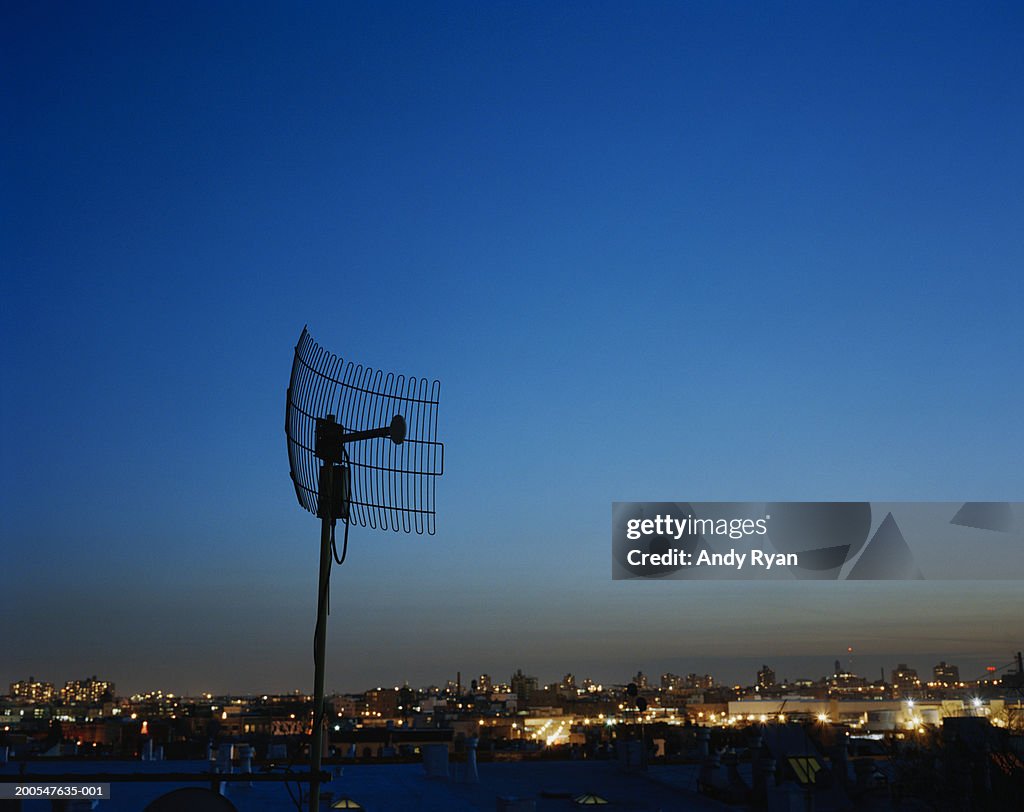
x=344 y=546
x=334 y=546
x=297 y=801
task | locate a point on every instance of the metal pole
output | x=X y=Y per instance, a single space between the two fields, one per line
x=320 y=639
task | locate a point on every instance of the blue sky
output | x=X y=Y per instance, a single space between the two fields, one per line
x=652 y=251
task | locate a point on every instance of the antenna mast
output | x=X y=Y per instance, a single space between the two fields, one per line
x=346 y=466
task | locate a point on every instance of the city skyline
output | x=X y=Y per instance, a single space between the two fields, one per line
x=656 y=253
x=735 y=673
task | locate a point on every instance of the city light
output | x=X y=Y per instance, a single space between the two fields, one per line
x=558 y=725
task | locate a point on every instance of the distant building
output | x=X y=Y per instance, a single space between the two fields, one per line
x=523 y=685
x=381 y=702
x=408 y=700
x=766 y=677
x=671 y=682
x=698 y=681
x=905 y=679
x=567 y=687
x=641 y=680
x=33 y=691
x=484 y=683
x=346 y=706
x=946 y=674
x=91 y=691
x=845 y=682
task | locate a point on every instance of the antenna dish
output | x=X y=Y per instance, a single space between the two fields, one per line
x=337 y=412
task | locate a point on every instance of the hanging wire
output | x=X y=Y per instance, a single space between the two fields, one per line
x=348 y=513
x=344 y=545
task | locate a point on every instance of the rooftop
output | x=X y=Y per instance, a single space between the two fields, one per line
x=399 y=787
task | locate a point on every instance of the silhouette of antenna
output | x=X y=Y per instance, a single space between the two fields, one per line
x=380 y=429
x=363 y=448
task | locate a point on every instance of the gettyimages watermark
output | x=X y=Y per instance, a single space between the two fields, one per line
x=857 y=541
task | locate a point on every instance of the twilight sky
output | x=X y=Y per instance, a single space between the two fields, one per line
x=680 y=251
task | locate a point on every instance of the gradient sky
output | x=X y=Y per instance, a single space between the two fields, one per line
x=680 y=251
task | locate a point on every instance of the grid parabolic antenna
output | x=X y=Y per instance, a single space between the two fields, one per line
x=390 y=479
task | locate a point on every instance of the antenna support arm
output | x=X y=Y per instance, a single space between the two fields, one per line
x=331 y=436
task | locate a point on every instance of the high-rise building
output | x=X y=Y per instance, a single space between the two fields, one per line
x=484 y=684
x=766 y=677
x=33 y=691
x=671 y=682
x=946 y=674
x=523 y=685
x=87 y=691
x=905 y=679
x=641 y=680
